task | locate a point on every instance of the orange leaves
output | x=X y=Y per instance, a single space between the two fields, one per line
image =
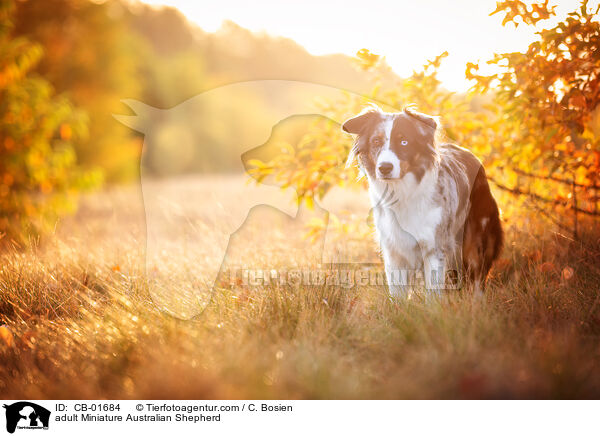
x=45 y=187
x=550 y=269
x=66 y=132
x=535 y=258
x=25 y=55
x=8 y=179
x=548 y=107
x=546 y=267
x=6 y=336
x=577 y=101
x=9 y=143
x=367 y=60
x=517 y=11
x=567 y=273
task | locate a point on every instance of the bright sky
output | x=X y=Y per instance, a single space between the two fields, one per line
x=407 y=33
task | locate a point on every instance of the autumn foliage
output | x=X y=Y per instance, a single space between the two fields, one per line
x=545 y=121
x=534 y=121
x=38 y=169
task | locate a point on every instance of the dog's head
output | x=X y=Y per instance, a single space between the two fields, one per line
x=390 y=146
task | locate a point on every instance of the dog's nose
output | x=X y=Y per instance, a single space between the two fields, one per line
x=385 y=168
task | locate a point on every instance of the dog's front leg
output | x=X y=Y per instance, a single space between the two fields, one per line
x=435 y=272
x=398 y=275
x=398 y=282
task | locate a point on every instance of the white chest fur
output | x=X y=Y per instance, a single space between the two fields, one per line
x=406 y=219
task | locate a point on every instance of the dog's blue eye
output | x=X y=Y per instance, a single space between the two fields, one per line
x=404 y=142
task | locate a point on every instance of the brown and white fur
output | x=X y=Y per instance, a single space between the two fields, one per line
x=432 y=205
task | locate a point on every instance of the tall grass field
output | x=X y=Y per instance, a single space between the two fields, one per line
x=80 y=319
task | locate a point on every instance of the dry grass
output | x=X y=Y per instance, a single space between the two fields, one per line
x=85 y=325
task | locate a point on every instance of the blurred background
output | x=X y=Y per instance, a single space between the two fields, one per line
x=66 y=65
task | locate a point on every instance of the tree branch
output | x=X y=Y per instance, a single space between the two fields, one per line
x=553 y=178
x=517 y=191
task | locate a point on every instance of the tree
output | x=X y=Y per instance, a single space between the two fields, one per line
x=39 y=176
x=545 y=128
x=93 y=57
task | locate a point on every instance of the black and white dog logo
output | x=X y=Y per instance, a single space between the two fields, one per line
x=26 y=415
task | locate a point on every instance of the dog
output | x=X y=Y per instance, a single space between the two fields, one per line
x=433 y=209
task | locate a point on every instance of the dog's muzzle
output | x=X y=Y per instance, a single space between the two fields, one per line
x=388 y=166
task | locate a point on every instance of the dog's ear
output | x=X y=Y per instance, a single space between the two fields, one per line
x=427 y=120
x=357 y=124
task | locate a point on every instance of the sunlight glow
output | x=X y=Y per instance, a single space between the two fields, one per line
x=406 y=33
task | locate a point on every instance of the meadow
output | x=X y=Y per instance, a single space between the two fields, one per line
x=80 y=320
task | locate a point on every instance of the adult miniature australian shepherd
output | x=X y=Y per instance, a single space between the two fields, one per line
x=432 y=206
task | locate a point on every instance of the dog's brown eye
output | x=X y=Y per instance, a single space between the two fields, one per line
x=376 y=141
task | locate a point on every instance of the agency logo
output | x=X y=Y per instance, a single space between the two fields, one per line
x=26 y=415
